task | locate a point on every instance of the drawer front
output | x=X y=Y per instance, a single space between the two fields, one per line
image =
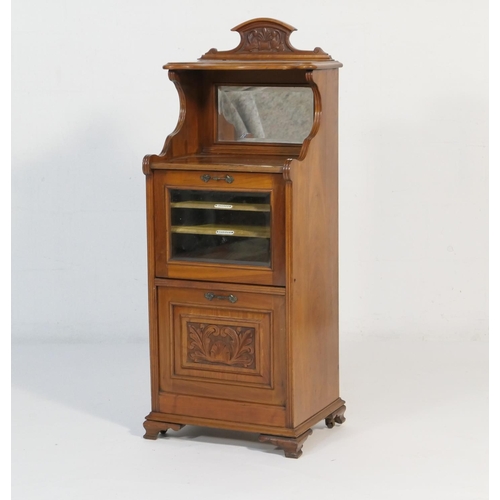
x=222 y=343
x=226 y=227
x=219 y=180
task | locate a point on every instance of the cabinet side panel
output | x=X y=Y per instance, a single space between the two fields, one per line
x=152 y=299
x=312 y=278
x=185 y=139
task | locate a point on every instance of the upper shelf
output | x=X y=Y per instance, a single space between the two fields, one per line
x=253 y=65
x=235 y=163
x=210 y=205
x=227 y=118
x=264 y=45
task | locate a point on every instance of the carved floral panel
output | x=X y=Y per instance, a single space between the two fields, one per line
x=225 y=345
x=265 y=40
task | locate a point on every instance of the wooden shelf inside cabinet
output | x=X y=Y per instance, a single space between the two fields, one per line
x=207 y=205
x=253 y=252
x=242 y=211
x=213 y=229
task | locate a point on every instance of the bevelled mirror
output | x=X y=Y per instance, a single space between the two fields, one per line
x=264 y=114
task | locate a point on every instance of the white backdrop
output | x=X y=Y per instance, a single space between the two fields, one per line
x=90 y=100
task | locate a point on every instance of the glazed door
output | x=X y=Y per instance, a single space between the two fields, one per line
x=220 y=227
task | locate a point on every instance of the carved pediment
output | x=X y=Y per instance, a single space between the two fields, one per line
x=265 y=38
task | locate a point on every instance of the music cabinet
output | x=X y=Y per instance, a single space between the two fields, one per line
x=242 y=225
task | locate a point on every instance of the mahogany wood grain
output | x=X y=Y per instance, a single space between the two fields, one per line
x=336 y=417
x=266 y=164
x=212 y=271
x=152 y=299
x=258 y=289
x=239 y=412
x=268 y=361
x=240 y=181
x=312 y=266
x=267 y=37
x=153 y=428
x=250 y=66
x=263 y=312
x=264 y=428
x=292 y=446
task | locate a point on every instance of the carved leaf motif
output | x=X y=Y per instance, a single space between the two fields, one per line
x=265 y=40
x=221 y=344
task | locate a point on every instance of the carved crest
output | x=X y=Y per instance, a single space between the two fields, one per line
x=265 y=38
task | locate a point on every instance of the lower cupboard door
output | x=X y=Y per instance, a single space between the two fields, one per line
x=222 y=353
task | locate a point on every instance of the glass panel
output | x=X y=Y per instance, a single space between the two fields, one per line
x=220 y=226
x=264 y=114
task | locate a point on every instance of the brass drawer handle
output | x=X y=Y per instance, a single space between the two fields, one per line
x=227 y=178
x=211 y=296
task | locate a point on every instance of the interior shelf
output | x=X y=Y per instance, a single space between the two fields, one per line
x=218 y=230
x=210 y=205
x=252 y=251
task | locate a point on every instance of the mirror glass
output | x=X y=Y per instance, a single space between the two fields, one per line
x=264 y=114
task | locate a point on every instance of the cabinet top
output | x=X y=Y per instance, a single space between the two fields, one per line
x=264 y=45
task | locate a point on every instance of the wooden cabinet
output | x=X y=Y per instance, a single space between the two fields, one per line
x=242 y=210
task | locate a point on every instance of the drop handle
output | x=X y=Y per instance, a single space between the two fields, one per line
x=211 y=296
x=227 y=178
